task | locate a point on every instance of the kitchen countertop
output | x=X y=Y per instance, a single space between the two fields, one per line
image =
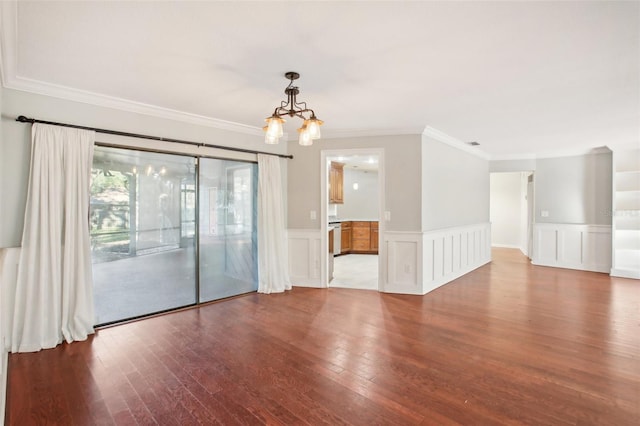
x=351 y=220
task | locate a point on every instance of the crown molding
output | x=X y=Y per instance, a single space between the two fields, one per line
x=553 y=154
x=513 y=157
x=97 y=99
x=456 y=143
x=10 y=80
x=363 y=133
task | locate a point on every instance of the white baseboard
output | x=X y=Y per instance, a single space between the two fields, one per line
x=509 y=246
x=3 y=385
x=625 y=273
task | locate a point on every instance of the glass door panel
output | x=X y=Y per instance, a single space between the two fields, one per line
x=228 y=245
x=142 y=233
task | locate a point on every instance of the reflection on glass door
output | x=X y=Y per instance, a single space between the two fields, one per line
x=142 y=233
x=228 y=246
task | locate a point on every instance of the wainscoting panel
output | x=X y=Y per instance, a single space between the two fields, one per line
x=583 y=247
x=410 y=262
x=304 y=257
x=9 y=258
x=419 y=262
x=402 y=264
x=453 y=252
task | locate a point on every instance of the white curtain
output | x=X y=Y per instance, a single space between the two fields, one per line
x=54 y=300
x=273 y=256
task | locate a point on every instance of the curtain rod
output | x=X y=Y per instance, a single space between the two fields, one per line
x=23 y=119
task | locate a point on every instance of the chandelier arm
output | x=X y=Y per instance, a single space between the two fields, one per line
x=302 y=106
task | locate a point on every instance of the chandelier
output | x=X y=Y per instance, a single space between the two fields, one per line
x=310 y=129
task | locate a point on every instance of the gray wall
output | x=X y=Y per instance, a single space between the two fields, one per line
x=574 y=189
x=15 y=141
x=455 y=187
x=402 y=179
x=360 y=204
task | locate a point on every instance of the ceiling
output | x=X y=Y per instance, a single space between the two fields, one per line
x=521 y=78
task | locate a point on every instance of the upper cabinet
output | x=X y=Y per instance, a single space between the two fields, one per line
x=336 y=183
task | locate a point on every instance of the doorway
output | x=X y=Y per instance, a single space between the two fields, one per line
x=511 y=210
x=351 y=214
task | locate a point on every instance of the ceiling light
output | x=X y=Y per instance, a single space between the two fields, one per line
x=310 y=129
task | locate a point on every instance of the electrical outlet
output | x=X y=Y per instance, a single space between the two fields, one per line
x=544 y=213
x=387 y=216
x=313 y=215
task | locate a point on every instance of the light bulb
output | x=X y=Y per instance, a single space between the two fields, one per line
x=305 y=139
x=274 y=126
x=313 y=127
x=271 y=140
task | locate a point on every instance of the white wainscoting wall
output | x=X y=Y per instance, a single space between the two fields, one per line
x=420 y=262
x=410 y=262
x=304 y=257
x=583 y=247
x=8 y=279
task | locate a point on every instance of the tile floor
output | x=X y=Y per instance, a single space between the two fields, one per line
x=359 y=271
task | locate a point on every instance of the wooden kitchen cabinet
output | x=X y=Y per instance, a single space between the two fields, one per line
x=361 y=237
x=345 y=242
x=336 y=183
x=364 y=237
x=374 y=237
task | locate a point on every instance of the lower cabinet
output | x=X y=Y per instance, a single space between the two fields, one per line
x=374 y=237
x=363 y=238
x=345 y=241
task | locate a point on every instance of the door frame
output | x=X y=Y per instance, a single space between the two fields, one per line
x=324 y=203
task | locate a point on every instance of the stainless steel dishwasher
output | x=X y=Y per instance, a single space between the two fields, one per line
x=337 y=237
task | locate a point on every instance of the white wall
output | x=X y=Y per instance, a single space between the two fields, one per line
x=16 y=143
x=499 y=166
x=455 y=187
x=574 y=190
x=506 y=209
x=361 y=203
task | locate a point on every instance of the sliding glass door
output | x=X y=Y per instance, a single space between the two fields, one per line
x=228 y=247
x=143 y=231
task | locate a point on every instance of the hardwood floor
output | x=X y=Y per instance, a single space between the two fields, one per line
x=509 y=343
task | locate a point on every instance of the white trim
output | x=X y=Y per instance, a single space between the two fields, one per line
x=324 y=201
x=3 y=385
x=552 y=154
x=10 y=80
x=92 y=98
x=420 y=262
x=513 y=157
x=9 y=258
x=625 y=273
x=304 y=257
x=585 y=247
x=509 y=246
x=357 y=133
x=456 y=143
x=409 y=262
x=453 y=252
